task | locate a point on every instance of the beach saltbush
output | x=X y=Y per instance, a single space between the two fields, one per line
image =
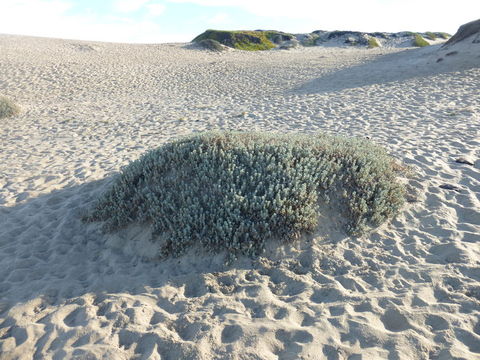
x=236 y=190
x=8 y=108
x=419 y=41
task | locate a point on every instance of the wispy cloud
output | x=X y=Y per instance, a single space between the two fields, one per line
x=367 y=15
x=219 y=19
x=57 y=18
x=180 y=20
x=152 y=8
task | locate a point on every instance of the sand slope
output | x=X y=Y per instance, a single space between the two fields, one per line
x=410 y=290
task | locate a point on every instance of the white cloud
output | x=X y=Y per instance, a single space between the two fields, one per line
x=365 y=15
x=23 y=11
x=56 y=18
x=219 y=19
x=155 y=9
x=53 y=18
x=127 y=6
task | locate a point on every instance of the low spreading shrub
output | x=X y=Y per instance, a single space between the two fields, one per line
x=234 y=191
x=8 y=108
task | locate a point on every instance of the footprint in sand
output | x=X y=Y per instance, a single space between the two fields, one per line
x=195 y=287
x=231 y=333
x=326 y=295
x=298 y=336
x=471 y=340
x=437 y=323
x=395 y=321
x=77 y=317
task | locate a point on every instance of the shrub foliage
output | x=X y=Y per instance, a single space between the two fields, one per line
x=235 y=191
x=7 y=108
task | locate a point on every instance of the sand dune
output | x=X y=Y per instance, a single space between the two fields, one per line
x=409 y=290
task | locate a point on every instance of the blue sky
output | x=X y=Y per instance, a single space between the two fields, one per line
x=157 y=21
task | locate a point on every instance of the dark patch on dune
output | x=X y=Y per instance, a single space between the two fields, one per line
x=211 y=45
x=465 y=31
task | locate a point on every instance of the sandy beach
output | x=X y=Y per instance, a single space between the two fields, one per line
x=408 y=290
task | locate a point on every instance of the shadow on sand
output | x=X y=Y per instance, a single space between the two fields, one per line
x=386 y=69
x=47 y=251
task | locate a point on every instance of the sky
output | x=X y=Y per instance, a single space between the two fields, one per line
x=161 y=21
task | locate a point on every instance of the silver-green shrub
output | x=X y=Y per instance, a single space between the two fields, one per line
x=7 y=108
x=235 y=191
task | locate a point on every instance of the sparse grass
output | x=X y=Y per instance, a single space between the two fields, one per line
x=234 y=191
x=430 y=35
x=278 y=36
x=373 y=43
x=241 y=40
x=443 y=35
x=419 y=41
x=8 y=108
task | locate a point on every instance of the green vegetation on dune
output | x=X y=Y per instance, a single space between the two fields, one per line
x=234 y=191
x=268 y=39
x=419 y=41
x=277 y=36
x=432 y=36
x=245 y=40
x=373 y=43
x=8 y=108
x=436 y=35
x=443 y=35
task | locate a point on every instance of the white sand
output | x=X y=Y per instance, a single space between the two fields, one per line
x=410 y=290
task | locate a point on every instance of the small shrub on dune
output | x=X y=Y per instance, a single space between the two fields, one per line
x=8 y=108
x=443 y=35
x=373 y=43
x=431 y=36
x=234 y=191
x=419 y=41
